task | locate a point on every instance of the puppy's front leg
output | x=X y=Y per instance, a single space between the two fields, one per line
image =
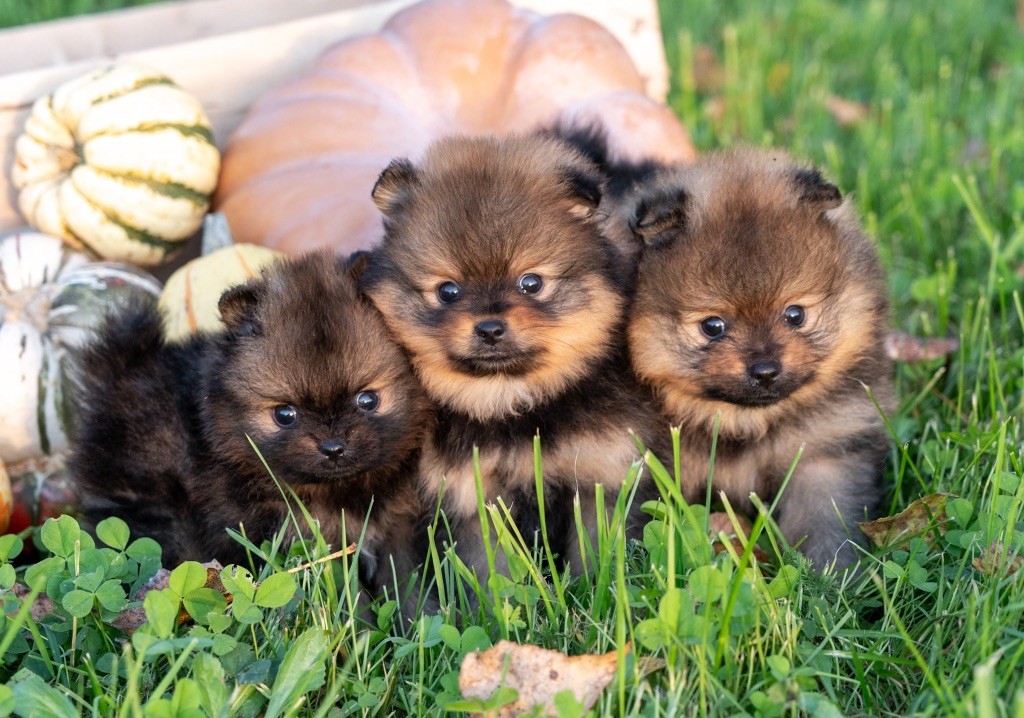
x=823 y=502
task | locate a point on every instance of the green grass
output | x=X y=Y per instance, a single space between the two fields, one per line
x=23 y=12
x=937 y=169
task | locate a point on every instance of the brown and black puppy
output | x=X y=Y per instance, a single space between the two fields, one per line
x=761 y=305
x=495 y=277
x=305 y=368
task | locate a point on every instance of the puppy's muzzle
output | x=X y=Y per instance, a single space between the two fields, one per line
x=333 y=449
x=490 y=331
x=764 y=372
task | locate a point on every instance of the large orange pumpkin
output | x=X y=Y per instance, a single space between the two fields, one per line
x=298 y=172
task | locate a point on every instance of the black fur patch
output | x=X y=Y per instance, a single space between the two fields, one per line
x=584 y=184
x=559 y=521
x=659 y=218
x=591 y=139
x=815 y=190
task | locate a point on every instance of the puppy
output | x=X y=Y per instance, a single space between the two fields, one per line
x=761 y=306
x=495 y=277
x=305 y=369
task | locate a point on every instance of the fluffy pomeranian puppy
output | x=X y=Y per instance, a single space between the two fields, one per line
x=305 y=368
x=494 y=275
x=762 y=306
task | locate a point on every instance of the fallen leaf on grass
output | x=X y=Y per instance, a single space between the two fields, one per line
x=213 y=569
x=537 y=674
x=131 y=618
x=42 y=606
x=846 y=112
x=707 y=73
x=921 y=516
x=720 y=523
x=647 y=665
x=900 y=346
x=714 y=109
x=994 y=561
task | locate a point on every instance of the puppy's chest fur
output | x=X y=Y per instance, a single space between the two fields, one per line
x=230 y=498
x=847 y=431
x=584 y=436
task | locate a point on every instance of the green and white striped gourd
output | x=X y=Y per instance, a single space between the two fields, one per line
x=121 y=162
x=191 y=295
x=52 y=299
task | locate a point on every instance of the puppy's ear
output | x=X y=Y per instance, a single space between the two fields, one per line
x=356 y=263
x=585 y=187
x=394 y=186
x=659 y=218
x=238 y=308
x=815 y=191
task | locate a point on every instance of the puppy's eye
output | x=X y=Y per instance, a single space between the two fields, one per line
x=530 y=283
x=794 y=315
x=448 y=292
x=712 y=327
x=368 y=400
x=285 y=415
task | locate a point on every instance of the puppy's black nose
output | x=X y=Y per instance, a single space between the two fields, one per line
x=333 y=449
x=490 y=330
x=764 y=372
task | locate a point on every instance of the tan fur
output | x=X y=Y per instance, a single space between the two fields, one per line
x=481 y=213
x=758 y=234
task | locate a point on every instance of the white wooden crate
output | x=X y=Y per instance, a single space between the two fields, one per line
x=229 y=52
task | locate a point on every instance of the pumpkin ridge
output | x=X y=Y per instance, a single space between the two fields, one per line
x=339 y=157
x=300 y=218
x=361 y=90
x=201 y=131
x=174 y=190
x=144 y=82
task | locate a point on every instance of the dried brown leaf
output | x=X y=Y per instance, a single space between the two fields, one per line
x=42 y=606
x=213 y=569
x=923 y=515
x=714 y=109
x=537 y=674
x=707 y=73
x=132 y=617
x=846 y=112
x=994 y=561
x=647 y=665
x=129 y=619
x=900 y=346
